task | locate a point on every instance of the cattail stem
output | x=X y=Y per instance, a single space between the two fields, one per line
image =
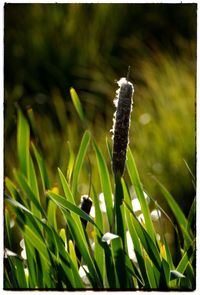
x=121 y=123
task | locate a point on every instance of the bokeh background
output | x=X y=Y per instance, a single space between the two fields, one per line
x=51 y=47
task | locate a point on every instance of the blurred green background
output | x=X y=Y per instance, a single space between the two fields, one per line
x=50 y=47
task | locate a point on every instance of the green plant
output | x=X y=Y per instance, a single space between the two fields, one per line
x=59 y=248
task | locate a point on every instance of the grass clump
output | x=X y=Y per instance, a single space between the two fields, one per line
x=66 y=246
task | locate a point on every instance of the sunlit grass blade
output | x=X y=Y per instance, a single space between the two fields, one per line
x=79 y=160
x=192 y=214
x=17 y=267
x=70 y=162
x=51 y=214
x=105 y=183
x=7 y=228
x=186 y=258
x=83 y=248
x=134 y=176
x=42 y=169
x=64 y=204
x=77 y=103
x=178 y=213
x=23 y=139
x=125 y=281
x=25 y=187
x=135 y=237
x=99 y=254
x=72 y=254
x=146 y=240
x=13 y=190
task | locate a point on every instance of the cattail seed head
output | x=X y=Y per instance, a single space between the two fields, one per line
x=121 y=123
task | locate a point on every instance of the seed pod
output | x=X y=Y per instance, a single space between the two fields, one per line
x=121 y=123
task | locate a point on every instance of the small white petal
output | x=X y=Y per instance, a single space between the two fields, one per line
x=12 y=223
x=92 y=212
x=23 y=254
x=136 y=205
x=141 y=218
x=155 y=215
x=22 y=244
x=107 y=237
x=131 y=252
x=146 y=197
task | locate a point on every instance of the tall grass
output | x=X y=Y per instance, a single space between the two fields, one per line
x=60 y=251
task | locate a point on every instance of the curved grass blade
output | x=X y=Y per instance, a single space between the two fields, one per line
x=146 y=240
x=42 y=168
x=96 y=281
x=64 y=204
x=79 y=160
x=77 y=103
x=23 y=183
x=134 y=176
x=105 y=183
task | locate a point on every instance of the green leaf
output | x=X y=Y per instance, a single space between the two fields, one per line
x=134 y=176
x=99 y=254
x=178 y=213
x=72 y=254
x=42 y=169
x=135 y=237
x=146 y=240
x=25 y=187
x=105 y=184
x=192 y=214
x=96 y=281
x=64 y=204
x=51 y=214
x=174 y=274
x=23 y=138
x=120 y=263
x=77 y=103
x=79 y=160
x=185 y=259
x=70 y=162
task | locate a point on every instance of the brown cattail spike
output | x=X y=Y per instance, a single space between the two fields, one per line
x=121 y=123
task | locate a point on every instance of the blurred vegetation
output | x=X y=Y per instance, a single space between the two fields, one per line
x=49 y=48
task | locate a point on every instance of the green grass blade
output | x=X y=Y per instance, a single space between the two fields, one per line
x=99 y=254
x=64 y=204
x=178 y=213
x=25 y=187
x=185 y=259
x=77 y=103
x=72 y=254
x=134 y=176
x=7 y=229
x=23 y=139
x=123 y=276
x=51 y=214
x=17 y=265
x=135 y=238
x=146 y=240
x=105 y=183
x=84 y=250
x=192 y=214
x=42 y=168
x=79 y=160
x=70 y=162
